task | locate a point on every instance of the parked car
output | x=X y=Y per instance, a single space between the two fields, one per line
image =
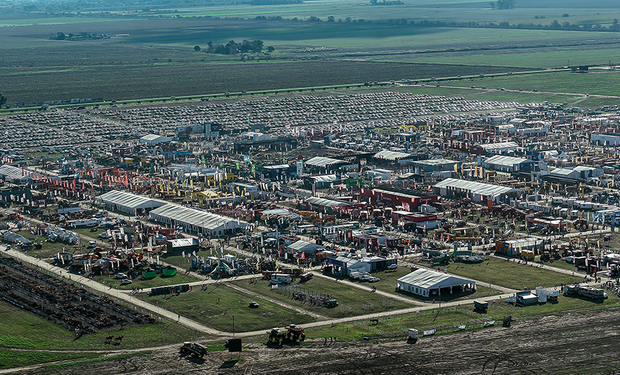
x=120 y=275
x=392 y=266
x=254 y=305
x=126 y=281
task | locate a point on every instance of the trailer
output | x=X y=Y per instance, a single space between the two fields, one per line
x=278 y=278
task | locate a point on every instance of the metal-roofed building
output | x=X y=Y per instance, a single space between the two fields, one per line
x=153 y=139
x=477 y=191
x=506 y=163
x=13 y=174
x=577 y=173
x=498 y=148
x=392 y=155
x=434 y=165
x=192 y=220
x=305 y=247
x=324 y=164
x=324 y=205
x=129 y=203
x=428 y=283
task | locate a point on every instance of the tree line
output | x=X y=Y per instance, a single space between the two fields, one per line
x=233 y=48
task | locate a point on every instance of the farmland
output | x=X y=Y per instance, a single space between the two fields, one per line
x=155 y=57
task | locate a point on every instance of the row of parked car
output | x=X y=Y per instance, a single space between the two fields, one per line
x=364 y=276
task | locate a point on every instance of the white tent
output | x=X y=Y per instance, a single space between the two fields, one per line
x=427 y=283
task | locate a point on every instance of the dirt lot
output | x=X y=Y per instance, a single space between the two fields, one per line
x=570 y=344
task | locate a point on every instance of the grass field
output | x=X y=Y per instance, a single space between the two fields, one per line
x=445 y=320
x=216 y=306
x=510 y=274
x=28 y=332
x=49 y=248
x=351 y=301
x=157 y=57
x=159 y=280
x=596 y=82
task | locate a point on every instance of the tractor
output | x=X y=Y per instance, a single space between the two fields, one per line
x=295 y=333
x=291 y=332
x=194 y=349
x=275 y=336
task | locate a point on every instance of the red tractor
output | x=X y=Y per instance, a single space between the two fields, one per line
x=295 y=332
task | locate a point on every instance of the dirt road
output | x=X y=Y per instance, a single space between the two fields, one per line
x=570 y=344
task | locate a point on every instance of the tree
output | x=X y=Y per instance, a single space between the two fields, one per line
x=270 y=49
x=197 y=48
x=330 y=19
x=60 y=36
x=2 y=100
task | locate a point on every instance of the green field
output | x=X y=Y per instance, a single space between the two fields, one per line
x=155 y=57
x=510 y=274
x=216 y=306
x=28 y=332
x=445 y=320
x=49 y=248
x=593 y=83
x=351 y=301
x=159 y=280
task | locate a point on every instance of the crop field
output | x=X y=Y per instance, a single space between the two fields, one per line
x=595 y=82
x=216 y=306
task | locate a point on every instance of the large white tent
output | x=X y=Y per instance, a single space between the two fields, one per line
x=129 y=203
x=428 y=283
x=193 y=220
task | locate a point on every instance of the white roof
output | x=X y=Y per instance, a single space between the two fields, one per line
x=154 y=137
x=13 y=173
x=427 y=279
x=198 y=218
x=475 y=187
x=499 y=146
x=326 y=202
x=504 y=160
x=325 y=178
x=391 y=155
x=129 y=200
x=305 y=247
x=320 y=161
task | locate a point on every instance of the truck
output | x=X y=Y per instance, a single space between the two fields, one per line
x=194 y=349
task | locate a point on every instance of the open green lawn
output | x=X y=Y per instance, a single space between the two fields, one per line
x=20 y=329
x=351 y=301
x=445 y=320
x=159 y=280
x=595 y=82
x=561 y=263
x=49 y=248
x=216 y=306
x=12 y=358
x=510 y=274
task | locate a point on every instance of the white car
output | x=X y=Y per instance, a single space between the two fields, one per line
x=120 y=276
x=392 y=266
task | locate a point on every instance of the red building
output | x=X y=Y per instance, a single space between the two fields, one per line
x=407 y=201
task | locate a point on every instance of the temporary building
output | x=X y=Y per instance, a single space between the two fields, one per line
x=193 y=220
x=128 y=203
x=305 y=247
x=428 y=283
